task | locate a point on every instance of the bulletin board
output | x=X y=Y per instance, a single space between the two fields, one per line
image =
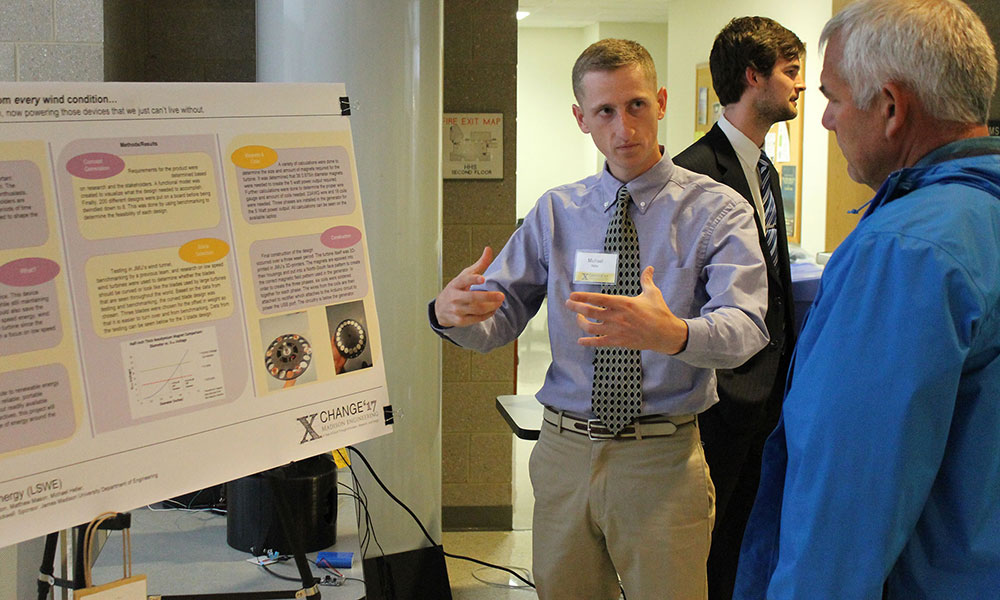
x=783 y=145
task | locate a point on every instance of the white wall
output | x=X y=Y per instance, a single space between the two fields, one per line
x=551 y=149
x=693 y=27
x=395 y=90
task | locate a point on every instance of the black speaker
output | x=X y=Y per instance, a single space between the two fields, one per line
x=419 y=574
x=309 y=490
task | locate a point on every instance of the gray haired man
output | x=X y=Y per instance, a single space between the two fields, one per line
x=882 y=479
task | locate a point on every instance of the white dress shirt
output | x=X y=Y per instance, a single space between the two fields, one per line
x=748 y=153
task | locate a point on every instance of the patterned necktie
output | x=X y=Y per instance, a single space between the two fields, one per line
x=617 y=391
x=764 y=168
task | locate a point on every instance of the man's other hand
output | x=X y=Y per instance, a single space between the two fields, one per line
x=458 y=306
x=642 y=322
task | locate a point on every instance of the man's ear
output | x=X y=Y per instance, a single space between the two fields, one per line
x=752 y=77
x=661 y=101
x=896 y=104
x=578 y=113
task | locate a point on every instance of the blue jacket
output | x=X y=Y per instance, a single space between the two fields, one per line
x=884 y=472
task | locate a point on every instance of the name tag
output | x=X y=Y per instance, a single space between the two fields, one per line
x=595 y=268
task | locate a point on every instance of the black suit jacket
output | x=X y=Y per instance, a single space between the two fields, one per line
x=762 y=377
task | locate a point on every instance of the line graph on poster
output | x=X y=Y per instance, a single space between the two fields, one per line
x=168 y=372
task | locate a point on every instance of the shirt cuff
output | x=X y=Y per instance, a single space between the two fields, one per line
x=697 y=341
x=435 y=326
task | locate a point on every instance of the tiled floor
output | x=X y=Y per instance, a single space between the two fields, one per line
x=511 y=549
x=167 y=543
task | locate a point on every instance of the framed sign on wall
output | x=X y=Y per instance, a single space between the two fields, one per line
x=473 y=146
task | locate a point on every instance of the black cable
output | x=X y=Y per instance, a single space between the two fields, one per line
x=361 y=503
x=280 y=576
x=337 y=573
x=390 y=494
x=369 y=526
x=369 y=534
x=421 y=525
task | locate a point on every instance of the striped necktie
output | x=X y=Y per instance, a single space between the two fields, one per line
x=764 y=168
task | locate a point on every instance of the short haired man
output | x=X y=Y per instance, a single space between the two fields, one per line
x=757 y=74
x=621 y=496
x=882 y=479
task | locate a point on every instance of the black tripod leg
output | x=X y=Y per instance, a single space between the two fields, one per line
x=294 y=538
x=48 y=565
x=79 y=572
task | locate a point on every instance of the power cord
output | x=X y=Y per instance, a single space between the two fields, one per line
x=424 y=529
x=335 y=578
x=359 y=494
x=173 y=505
x=498 y=584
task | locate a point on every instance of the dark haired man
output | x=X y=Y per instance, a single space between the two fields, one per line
x=620 y=482
x=756 y=73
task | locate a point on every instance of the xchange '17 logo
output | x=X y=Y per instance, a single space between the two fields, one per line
x=307 y=423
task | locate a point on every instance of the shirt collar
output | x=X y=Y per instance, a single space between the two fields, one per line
x=976 y=146
x=905 y=180
x=643 y=188
x=747 y=151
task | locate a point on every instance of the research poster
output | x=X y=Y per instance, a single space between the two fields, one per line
x=185 y=292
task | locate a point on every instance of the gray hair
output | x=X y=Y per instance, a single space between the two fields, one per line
x=939 y=49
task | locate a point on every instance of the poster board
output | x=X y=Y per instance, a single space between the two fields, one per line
x=783 y=145
x=185 y=292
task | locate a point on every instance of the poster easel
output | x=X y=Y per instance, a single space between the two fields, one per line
x=172 y=258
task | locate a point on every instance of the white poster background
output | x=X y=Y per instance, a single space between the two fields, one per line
x=153 y=238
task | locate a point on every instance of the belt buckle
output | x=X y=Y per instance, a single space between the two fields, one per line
x=590 y=431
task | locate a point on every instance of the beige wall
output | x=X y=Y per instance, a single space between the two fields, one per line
x=692 y=28
x=827 y=191
x=552 y=150
x=480 y=62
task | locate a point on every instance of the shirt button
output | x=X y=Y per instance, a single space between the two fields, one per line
x=642 y=204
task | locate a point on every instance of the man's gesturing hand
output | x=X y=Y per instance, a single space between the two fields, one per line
x=457 y=305
x=642 y=322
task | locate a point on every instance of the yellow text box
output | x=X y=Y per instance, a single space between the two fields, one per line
x=154 y=193
x=155 y=289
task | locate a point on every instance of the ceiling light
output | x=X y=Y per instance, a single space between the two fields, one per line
x=521 y=14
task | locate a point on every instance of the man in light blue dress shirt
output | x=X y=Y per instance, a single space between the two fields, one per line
x=637 y=505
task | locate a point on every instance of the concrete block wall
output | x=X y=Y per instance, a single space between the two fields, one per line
x=480 y=76
x=180 y=40
x=51 y=40
x=45 y=40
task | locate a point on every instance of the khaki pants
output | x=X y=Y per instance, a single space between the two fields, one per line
x=639 y=510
